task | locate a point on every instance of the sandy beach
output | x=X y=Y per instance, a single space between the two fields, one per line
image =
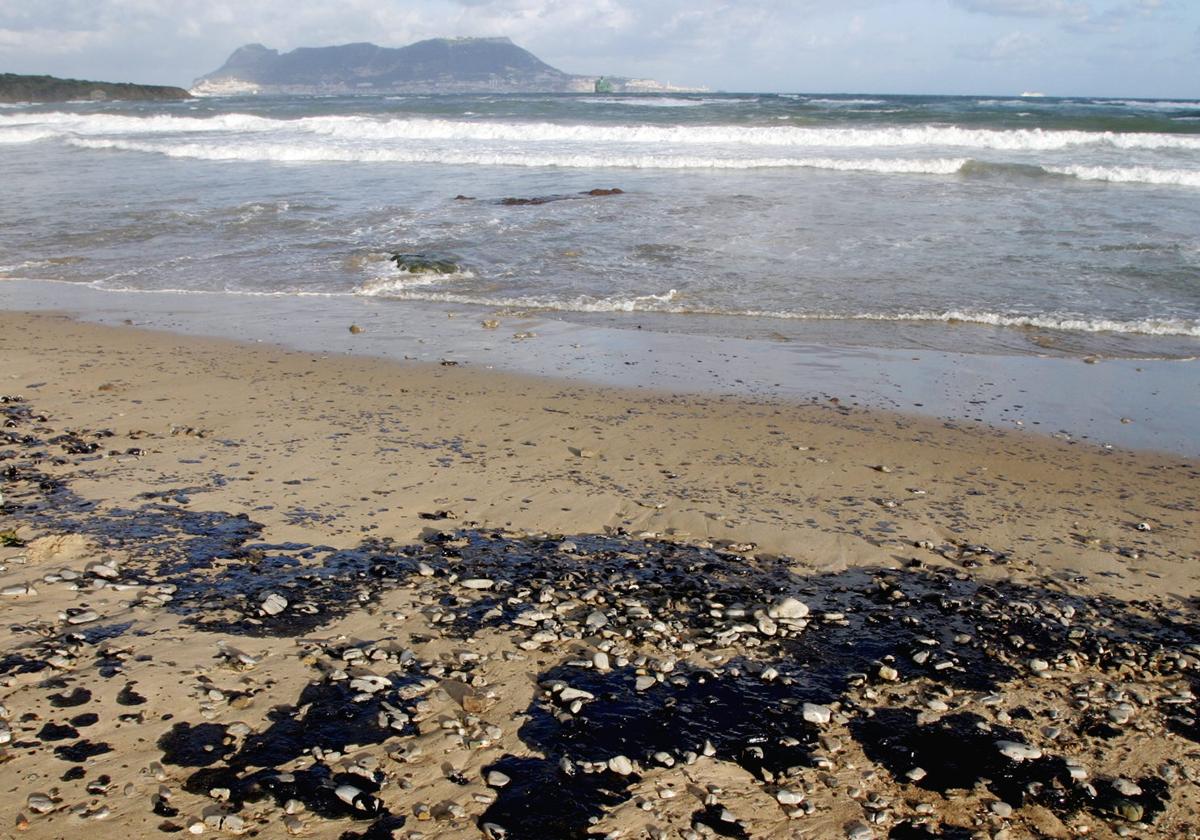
x=258 y=590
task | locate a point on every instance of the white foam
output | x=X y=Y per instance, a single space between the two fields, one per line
x=924 y=136
x=108 y=286
x=1131 y=174
x=102 y=124
x=836 y=102
x=392 y=282
x=639 y=102
x=580 y=303
x=1051 y=321
x=1064 y=322
x=25 y=135
x=670 y=304
x=355 y=128
x=1152 y=105
x=316 y=153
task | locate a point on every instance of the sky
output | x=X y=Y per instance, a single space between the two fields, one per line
x=1132 y=48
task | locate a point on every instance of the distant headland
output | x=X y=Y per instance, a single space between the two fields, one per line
x=14 y=88
x=438 y=65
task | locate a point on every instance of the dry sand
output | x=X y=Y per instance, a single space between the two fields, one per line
x=332 y=454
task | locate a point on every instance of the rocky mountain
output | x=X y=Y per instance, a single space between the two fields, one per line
x=14 y=88
x=438 y=65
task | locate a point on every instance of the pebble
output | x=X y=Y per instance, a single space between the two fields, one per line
x=859 y=831
x=1001 y=809
x=1017 y=751
x=274 y=604
x=497 y=779
x=370 y=683
x=1077 y=771
x=1126 y=788
x=223 y=822
x=789 y=797
x=478 y=583
x=814 y=713
x=644 y=682
x=20 y=590
x=1121 y=713
x=1129 y=810
x=788 y=608
x=356 y=798
x=39 y=803
x=103 y=570
x=620 y=765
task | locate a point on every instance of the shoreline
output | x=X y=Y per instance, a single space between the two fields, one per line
x=794 y=451
x=274 y=590
x=1146 y=404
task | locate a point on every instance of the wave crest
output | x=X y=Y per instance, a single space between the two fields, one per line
x=671 y=304
x=356 y=128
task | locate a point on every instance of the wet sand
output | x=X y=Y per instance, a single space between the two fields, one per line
x=1008 y=378
x=355 y=590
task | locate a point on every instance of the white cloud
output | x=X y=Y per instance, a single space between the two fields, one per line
x=49 y=41
x=1011 y=47
x=747 y=44
x=1015 y=45
x=1060 y=9
x=1079 y=15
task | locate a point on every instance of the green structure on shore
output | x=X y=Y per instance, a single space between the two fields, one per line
x=603 y=85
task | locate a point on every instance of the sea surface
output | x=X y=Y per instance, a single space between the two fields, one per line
x=993 y=225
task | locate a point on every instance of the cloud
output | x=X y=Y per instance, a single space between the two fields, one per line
x=735 y=44
x=1058 y=9
x=48 y=41
x=1010 y=47
x=1080 y=14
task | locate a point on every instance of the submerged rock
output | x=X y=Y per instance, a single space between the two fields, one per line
x=425 y=264
x=547 y=199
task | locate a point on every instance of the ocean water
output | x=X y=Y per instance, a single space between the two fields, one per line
x=975 y=224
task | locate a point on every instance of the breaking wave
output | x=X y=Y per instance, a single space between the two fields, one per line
x=312 y=153
x=1131 y=174
x=316 y=153
x=580 y=303
x=392 y=282
x=406 y=129
x=1064 y=322
x=671 y=304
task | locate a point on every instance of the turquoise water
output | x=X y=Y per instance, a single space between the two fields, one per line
x=1061 y=226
